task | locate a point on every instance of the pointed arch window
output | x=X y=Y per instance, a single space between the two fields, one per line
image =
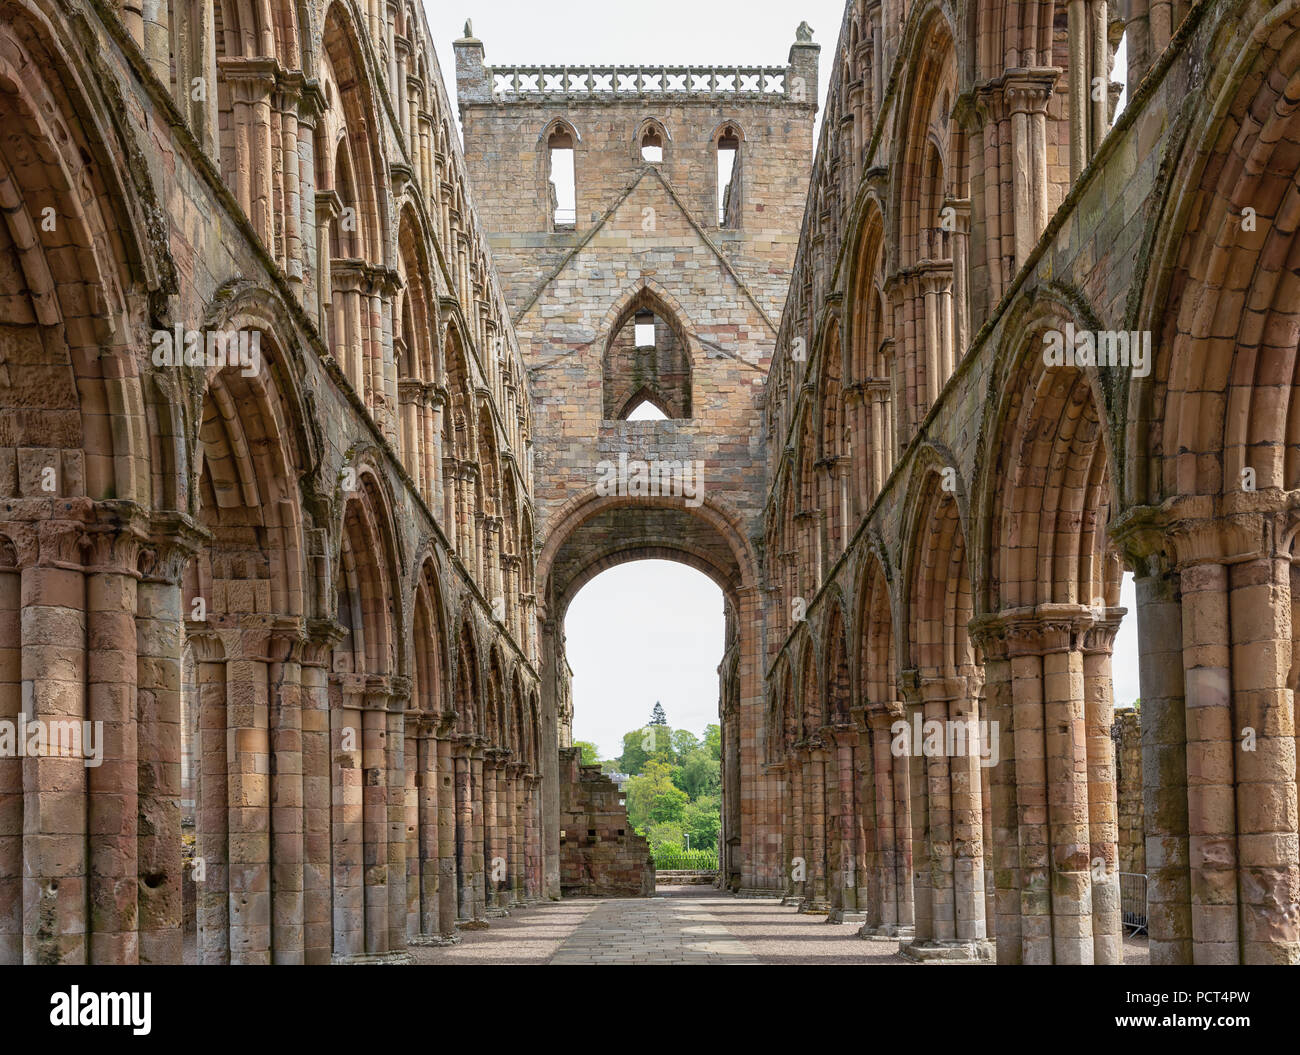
x=729 y=169
x=644 y=408
x=652 y=146
x=562 y=180
x=647 y=367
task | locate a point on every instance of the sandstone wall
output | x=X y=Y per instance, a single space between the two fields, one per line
x=600 y=854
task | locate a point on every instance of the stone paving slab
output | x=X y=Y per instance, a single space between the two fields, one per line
x=686 y=925
x=655 y=930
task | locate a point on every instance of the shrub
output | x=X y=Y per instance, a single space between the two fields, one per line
x=669 y=857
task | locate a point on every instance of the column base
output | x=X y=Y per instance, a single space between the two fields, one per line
x=747 y=891
x=887 y=932
x=496 y=911
x=378 y=959
x=979 y=951
x=478 y=923
x=815 y=906
x=843 y=915
x=434 y=939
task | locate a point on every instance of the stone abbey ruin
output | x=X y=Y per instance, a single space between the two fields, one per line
x=314 y=417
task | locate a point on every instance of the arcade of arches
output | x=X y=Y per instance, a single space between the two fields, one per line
x=302 y=585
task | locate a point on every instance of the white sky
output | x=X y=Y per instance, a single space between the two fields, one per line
x=653 y=630
x=643 y=632
x=672 y=32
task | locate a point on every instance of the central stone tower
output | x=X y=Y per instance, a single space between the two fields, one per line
x=644 y=221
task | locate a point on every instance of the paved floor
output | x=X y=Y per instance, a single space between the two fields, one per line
x=687 y=925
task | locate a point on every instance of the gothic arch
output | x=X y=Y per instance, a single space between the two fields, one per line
x=662 y=374
x=429 y=645
x=928 y=171
x=1047 y=481
x=70 y=201
x=646 y=126
x=369 y=584
x=877 y=662
x=1223 y=387
x=416 y=328
x=578 y=546
x=469 y=709
x=939 y=599
x=246 y=492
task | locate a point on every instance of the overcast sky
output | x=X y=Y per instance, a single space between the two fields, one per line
x=666 y=32
x=653 y=630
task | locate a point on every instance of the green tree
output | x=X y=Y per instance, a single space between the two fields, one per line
x=701 y=774
x=684 y=742
x=703 y=821
x=665 y=834
x=640 y=745
x=657 y=716
x=669 y=806
x=652 y=798
x=713 y=741
x=590 y=752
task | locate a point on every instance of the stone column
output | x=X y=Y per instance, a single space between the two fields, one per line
x=112 y=784
x=818 y=899
x=374 y=765
x=491 y=832
x=251 y=82
x=158 y=629
x=893 y=919
x=348 y=816
x=212 y=816
x=518 y=820
x=447 y=844
x=288 y=102
x=549 y=763
x=844 y=900
x=249 y=799
x=1103 y=820
x=465 y=876
x=1027 y=93
x=317 y=791
x=328 y=206
x=311 y=103
x=798 y=864
x=960 y=306
x=350 y=327
x=1004 y=828
x=1240 y=730
x=423 y=870
x=288 y=917
x=947 y=821
x=395 y=775
x=402 y=52
x=1266 y=797
x=478 y=830
x=436 y=398
x=53 y=635
x=1164 y=752
x=11 y=766
x=410 y=395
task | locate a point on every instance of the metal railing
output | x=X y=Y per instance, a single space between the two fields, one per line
x=1133 y=901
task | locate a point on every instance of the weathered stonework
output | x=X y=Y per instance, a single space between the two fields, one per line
x=313 y=600
x=649 y=237
x=1127 y=734
x=952 y=504
x=600 y=854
